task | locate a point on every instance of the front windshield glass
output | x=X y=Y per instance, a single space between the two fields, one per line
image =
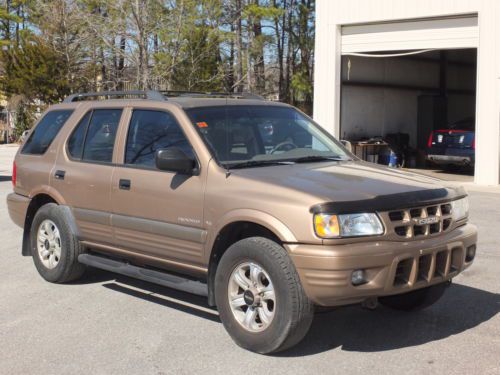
x=239 y=134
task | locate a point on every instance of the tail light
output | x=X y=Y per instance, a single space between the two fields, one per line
x=14 y=174
x=429 y=143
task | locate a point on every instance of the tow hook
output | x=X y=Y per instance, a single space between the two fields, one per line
x=370 y=303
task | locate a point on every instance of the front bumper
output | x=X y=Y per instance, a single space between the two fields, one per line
x=392 y=267
x=18 y=206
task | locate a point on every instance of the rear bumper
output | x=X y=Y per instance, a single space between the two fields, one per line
x=325 y=271
x=450 y=159
x=18 y=206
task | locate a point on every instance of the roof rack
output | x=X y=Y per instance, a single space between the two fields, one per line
x=148 y=94
x=201 y=94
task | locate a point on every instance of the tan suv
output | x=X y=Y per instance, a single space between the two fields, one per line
x=245 y=201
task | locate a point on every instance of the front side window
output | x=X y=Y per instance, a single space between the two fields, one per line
x=94 y=137
x=150 y=131
x=45 y=132
x=259 y=134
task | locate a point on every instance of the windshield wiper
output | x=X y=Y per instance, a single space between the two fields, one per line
x=258 y=163
x=313 y=158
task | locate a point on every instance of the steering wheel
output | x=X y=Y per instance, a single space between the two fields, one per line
x=286 y=146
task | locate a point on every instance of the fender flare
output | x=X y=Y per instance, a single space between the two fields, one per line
x=278 y=228
x=254 y=216
x=65 y=211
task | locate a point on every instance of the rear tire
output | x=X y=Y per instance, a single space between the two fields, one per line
x=416 y=300
x=54 y=247
x=287 y=312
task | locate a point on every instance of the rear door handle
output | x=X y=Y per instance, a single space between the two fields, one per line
x=124 y=184
x=59 y=174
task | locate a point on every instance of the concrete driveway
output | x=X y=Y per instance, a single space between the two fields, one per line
x=106 y=324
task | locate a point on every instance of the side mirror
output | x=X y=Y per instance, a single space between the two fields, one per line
x=174 y=160
x=346 y=144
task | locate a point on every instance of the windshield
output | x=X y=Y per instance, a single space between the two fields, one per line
x=239 y=134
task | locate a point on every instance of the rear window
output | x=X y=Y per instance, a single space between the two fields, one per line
x=45 y=132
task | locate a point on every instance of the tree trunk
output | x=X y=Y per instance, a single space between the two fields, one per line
x=280 y=41
x=259 y=67
x=288 y=98
x=239 y=47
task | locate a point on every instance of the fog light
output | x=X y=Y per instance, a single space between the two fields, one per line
x=470 y=253
x=358 y=277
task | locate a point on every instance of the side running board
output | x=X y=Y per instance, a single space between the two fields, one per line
x=152 y=276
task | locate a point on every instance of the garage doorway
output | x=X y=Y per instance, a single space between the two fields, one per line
x=418 y=103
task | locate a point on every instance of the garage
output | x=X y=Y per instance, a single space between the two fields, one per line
x=419 y=104
x=414 y=88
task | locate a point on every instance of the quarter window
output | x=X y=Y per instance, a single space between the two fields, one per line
x=75 y=143
x=150 y=131
x=45 y=132
x=94 y=137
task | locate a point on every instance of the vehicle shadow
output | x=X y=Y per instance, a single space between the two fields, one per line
x=185 y=302
x=350 y=328
x=94 y=275
x=356 y=329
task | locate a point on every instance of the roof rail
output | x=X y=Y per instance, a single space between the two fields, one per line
x=201 y=94
x=148 y=94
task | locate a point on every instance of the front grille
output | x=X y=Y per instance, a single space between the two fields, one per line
x=403 y=272
x=428 y=267
x=424 y=266
x=421 y=221
x=441 y=259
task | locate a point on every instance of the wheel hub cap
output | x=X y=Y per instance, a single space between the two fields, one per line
x=49 y=244
x=251 y=296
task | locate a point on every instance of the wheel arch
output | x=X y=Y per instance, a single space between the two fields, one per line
x=239 y=226
x=37 y=201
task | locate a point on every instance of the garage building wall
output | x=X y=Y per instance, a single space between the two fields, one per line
x=332 y=15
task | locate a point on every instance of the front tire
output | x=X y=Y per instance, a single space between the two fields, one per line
x=54 y=247
x=260 y=299
x=416 y=300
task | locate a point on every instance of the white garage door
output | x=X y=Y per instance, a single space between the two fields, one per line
x=443 y=33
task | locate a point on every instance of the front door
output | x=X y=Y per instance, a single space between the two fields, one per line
x=157 y=215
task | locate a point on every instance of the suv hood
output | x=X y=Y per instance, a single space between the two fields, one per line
x=353 y=185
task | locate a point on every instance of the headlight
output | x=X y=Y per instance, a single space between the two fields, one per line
x=350 y=225
x=460 y=209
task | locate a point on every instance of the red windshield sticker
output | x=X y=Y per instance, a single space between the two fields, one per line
x=202 y=124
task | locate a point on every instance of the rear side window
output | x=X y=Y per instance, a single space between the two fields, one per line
x=94 y=137
x=75 y=143
x=45 y=132
x=150 y=131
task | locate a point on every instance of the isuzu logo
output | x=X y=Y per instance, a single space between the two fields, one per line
x=428 y=220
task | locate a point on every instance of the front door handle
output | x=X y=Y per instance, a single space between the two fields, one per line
x=60 y=174
x=124 y=184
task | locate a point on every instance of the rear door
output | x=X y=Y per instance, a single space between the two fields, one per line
x=83 y=170
x=37 y=155
x=158 y=215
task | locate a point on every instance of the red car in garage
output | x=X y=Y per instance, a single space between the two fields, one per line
x=453 y=146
